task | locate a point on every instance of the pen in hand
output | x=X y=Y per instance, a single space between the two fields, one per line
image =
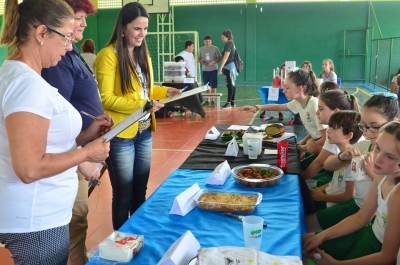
x=183 y=89
x=90 y=115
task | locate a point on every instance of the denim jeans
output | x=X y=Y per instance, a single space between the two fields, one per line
x=229 y=85
x=129 y=170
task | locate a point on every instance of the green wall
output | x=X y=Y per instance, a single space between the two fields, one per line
x=268 y=34
x=3 y=50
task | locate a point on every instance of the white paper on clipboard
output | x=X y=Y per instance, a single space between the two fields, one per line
x=185 y=94
x=137 y=115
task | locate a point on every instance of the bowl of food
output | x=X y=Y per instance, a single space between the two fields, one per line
x=257 y=175
x=227 y=201
x=228 y=135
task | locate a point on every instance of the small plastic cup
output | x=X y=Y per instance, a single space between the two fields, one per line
x=252 y=145
x=311 y=183
x=252 y=231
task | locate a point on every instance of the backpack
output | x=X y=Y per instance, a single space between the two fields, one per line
x=238 y=61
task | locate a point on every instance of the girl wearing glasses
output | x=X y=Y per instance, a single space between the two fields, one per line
x=376 y=112
x=353 y=240
x=302 y=90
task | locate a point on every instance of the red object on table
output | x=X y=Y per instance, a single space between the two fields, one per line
x=283 y=156
x=276 y=82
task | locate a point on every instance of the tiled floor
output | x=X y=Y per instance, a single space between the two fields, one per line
x=173 y=141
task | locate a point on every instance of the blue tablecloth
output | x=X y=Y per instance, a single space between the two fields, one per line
x=281 y=208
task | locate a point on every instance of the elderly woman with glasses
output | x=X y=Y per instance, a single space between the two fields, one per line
x=73 y=78
x=39 y=135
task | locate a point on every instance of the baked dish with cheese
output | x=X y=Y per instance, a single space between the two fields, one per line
x=244 y=202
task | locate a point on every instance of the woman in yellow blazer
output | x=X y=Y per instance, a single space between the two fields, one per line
x=125 y=76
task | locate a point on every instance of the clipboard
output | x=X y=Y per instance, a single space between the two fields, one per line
x=186 y=94
x=137 y=115
x=131 y=119
x=94 y=183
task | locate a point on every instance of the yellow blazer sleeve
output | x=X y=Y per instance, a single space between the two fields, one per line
x=109 y=82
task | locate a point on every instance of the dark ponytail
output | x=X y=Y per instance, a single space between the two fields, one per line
x=337 y=99
x=306 y=79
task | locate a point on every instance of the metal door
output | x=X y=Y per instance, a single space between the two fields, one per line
x=354 y=55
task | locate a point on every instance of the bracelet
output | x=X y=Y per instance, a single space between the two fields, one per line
x=258 y=107
x=338 y=156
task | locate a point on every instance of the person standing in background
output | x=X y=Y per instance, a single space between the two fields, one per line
x=188 y=57
x=39 y=135
x=75 y=82
x=88 y=53
x=125 y=75
x=209 y=56
x=328 y=71
x=228 y=67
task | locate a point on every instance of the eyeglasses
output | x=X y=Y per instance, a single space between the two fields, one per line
x=69 y=39
x=372 y=129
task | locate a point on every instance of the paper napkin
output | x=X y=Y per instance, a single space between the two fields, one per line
x=181 y=251
x=212 y=134
x=220 y=174
x=233 y=148
x=184 y=202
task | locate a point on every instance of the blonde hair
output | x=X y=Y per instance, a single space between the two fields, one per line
x=20 y=19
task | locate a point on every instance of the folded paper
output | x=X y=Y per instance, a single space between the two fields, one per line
x=188 y=80
x=212 y=134
x=181 y=251
x=238 y=127
x=273 y=94
x=232 y=149
x=184 y=202
x=220 y=174
x=271 y=151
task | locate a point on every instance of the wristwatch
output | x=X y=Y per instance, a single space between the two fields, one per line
x=258 y=107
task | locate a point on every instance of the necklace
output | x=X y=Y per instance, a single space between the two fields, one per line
x=131 y=60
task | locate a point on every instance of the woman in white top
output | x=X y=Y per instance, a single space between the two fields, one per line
x=88 y=53
x=38 y=135
x=353 y=241
x=328 y=71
